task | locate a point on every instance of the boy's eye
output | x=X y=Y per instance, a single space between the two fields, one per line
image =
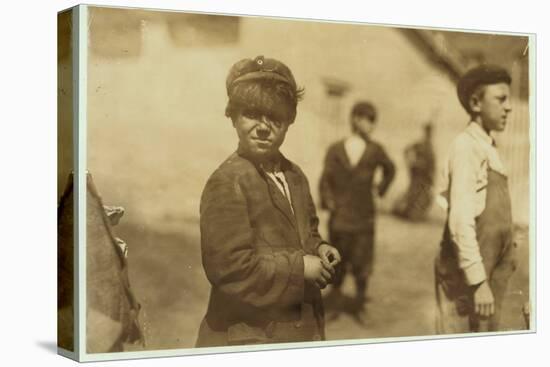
x=275 y=123
x=254 y=115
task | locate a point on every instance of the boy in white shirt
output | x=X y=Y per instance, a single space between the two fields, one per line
x=476 y=257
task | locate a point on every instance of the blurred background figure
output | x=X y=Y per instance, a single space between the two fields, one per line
x=417 y=200
x=348 y=191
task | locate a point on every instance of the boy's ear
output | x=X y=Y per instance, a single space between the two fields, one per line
x=475 y=103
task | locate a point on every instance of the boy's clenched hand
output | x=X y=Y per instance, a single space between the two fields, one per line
x=317 y=271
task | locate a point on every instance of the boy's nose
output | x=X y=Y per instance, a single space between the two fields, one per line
x=262 y=131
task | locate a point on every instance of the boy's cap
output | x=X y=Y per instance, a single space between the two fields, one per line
x=256 y=69
x=365 y=109
x=478 y=76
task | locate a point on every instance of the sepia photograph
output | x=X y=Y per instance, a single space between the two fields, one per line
x=261 y=181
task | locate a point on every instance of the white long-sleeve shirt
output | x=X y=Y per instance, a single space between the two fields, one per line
x=464 y=192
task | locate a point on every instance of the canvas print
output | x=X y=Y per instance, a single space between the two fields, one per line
x=269 y=182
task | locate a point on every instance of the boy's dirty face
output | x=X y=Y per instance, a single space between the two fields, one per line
x=259 y=136
x=493 y=106
x=363 y=125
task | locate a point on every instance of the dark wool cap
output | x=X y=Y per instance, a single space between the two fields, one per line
x=365 y=109
x=478 y=76
x=258 y=68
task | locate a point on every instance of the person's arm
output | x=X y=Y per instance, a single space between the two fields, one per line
x=388 y=172
x=325 y=184
x=232 y=260
x=328 y=254
x=464 y=164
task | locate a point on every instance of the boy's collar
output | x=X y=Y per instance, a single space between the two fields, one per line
x=477 y=131
x=277 y=162
x=365 y=137
x=271 y=167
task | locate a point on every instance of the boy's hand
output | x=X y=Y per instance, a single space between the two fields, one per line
x=317 y=271
x=484 y=302
x=329 y=254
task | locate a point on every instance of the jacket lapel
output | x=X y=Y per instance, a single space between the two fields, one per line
x=279 y=200
x=277 y=197
x=366 y=156
x=297 y=197
x=342 y=156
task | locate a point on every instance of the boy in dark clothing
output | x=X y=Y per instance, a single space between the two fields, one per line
x=347 y=185
x=417 y=200
x=261 y=250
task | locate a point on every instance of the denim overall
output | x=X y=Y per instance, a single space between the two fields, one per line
x=456 y=311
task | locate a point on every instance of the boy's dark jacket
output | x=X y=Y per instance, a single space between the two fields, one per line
x=252 y=252
x=348 y=191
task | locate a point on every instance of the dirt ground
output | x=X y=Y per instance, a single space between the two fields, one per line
x=168 y=279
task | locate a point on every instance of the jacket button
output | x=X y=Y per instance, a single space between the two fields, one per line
x=298 y=325
x=316 y=337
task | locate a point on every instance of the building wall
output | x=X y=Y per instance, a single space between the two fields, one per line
x=156 y=122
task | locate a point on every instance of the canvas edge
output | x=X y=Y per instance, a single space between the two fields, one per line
x=80 y=13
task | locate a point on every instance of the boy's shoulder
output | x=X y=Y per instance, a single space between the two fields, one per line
x=231 y=170
x=467 y=148
x=464 y=142
x=376 y=143
x=336 y=145
x=376 y=146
